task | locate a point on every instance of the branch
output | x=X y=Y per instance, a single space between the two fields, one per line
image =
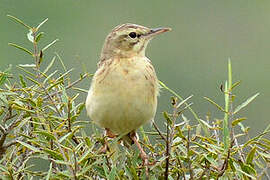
x=159 y=132
x=69 y=86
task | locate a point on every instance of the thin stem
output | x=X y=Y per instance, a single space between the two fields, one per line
x=188 y=156
x=68 y=87
x=159 y=132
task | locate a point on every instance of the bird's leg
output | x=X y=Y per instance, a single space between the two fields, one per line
x=105 y=147
x=109 y=133
x=143 y=155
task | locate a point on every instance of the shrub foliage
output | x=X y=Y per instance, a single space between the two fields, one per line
x=40 y=119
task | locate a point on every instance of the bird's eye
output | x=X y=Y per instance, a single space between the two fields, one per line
x=132 y=35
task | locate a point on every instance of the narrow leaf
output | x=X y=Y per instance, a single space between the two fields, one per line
x=4 y=75
x=49 y=172
x=28 y=146
x=23 y=83
x=45 y=133
x=34 y=81
x=237 y=121
x=184 y=101
x=64 y=137
x=27 y=65
x=28 y=72
x=235 y=84
x=244 y=104
x=61 y=61
x=251 y=155
x=226 y=137
x=39 y=36
x=45 y=20
x=49 y=66
x=54 y=154
x=214 y=103
x=19 y=21
x=49 y=45
x=21 y=48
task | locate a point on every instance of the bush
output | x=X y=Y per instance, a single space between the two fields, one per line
x=40 y=119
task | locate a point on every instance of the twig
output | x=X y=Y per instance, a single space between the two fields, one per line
x=159 y=132
x=189 y=161
x=264 y=171
x=166 y=175
x=52 y=101
x=69 y=86
x=170 y=135
x=14 y=123
x=75 y=166
x=69 y=167
x=226 y=161
x=181 y=165
x=2 y=129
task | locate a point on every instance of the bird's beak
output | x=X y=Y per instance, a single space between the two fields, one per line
x=157 y=31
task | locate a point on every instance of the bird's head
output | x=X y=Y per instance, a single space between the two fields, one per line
x=129 y=40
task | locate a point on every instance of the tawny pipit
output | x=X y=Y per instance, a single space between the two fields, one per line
x=124 y=89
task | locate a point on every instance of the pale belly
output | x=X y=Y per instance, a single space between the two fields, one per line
x=122 y=101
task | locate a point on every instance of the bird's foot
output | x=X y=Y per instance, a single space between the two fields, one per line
x=143 y=155
x=105 y=146
x=109 y=133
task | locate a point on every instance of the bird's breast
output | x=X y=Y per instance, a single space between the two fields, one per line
x=123 y=94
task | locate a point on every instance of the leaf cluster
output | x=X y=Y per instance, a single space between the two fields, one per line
x=40 y=118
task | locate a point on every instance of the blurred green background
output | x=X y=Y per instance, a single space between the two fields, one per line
x=191 y=59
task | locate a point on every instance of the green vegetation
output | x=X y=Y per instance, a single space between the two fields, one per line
x=40 y=119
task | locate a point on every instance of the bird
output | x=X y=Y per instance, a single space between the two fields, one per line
x=124 y=89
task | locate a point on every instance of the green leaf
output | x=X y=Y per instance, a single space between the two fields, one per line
x=49 y=66
x=22 y=108
x=190 y=109
x=62 y=162
x=235 y=84
x=112 y=173
x=27 y=65
x=28 y=146
x=214 y=103
x=226 y=136
x=54 y=84
x=265 y=155
x=251 y=155
x=49 y=45
x=54 y=154
x=23 y=83
x=44 y=21
x=84 y=156
x=254 y=139
x=184 y=101
x=3 y=168
x=39 y=36
x=64 y=137
x=45 y=133
x=244 y=104
x=19 y=21
x=4 y=75
x=63 y=75
x=62 y=62
x=166 y=116
x=21 y=48
x=26 y=71
x=49 y=172
x=80 y=89
x=34 y=81
x=237 y=121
